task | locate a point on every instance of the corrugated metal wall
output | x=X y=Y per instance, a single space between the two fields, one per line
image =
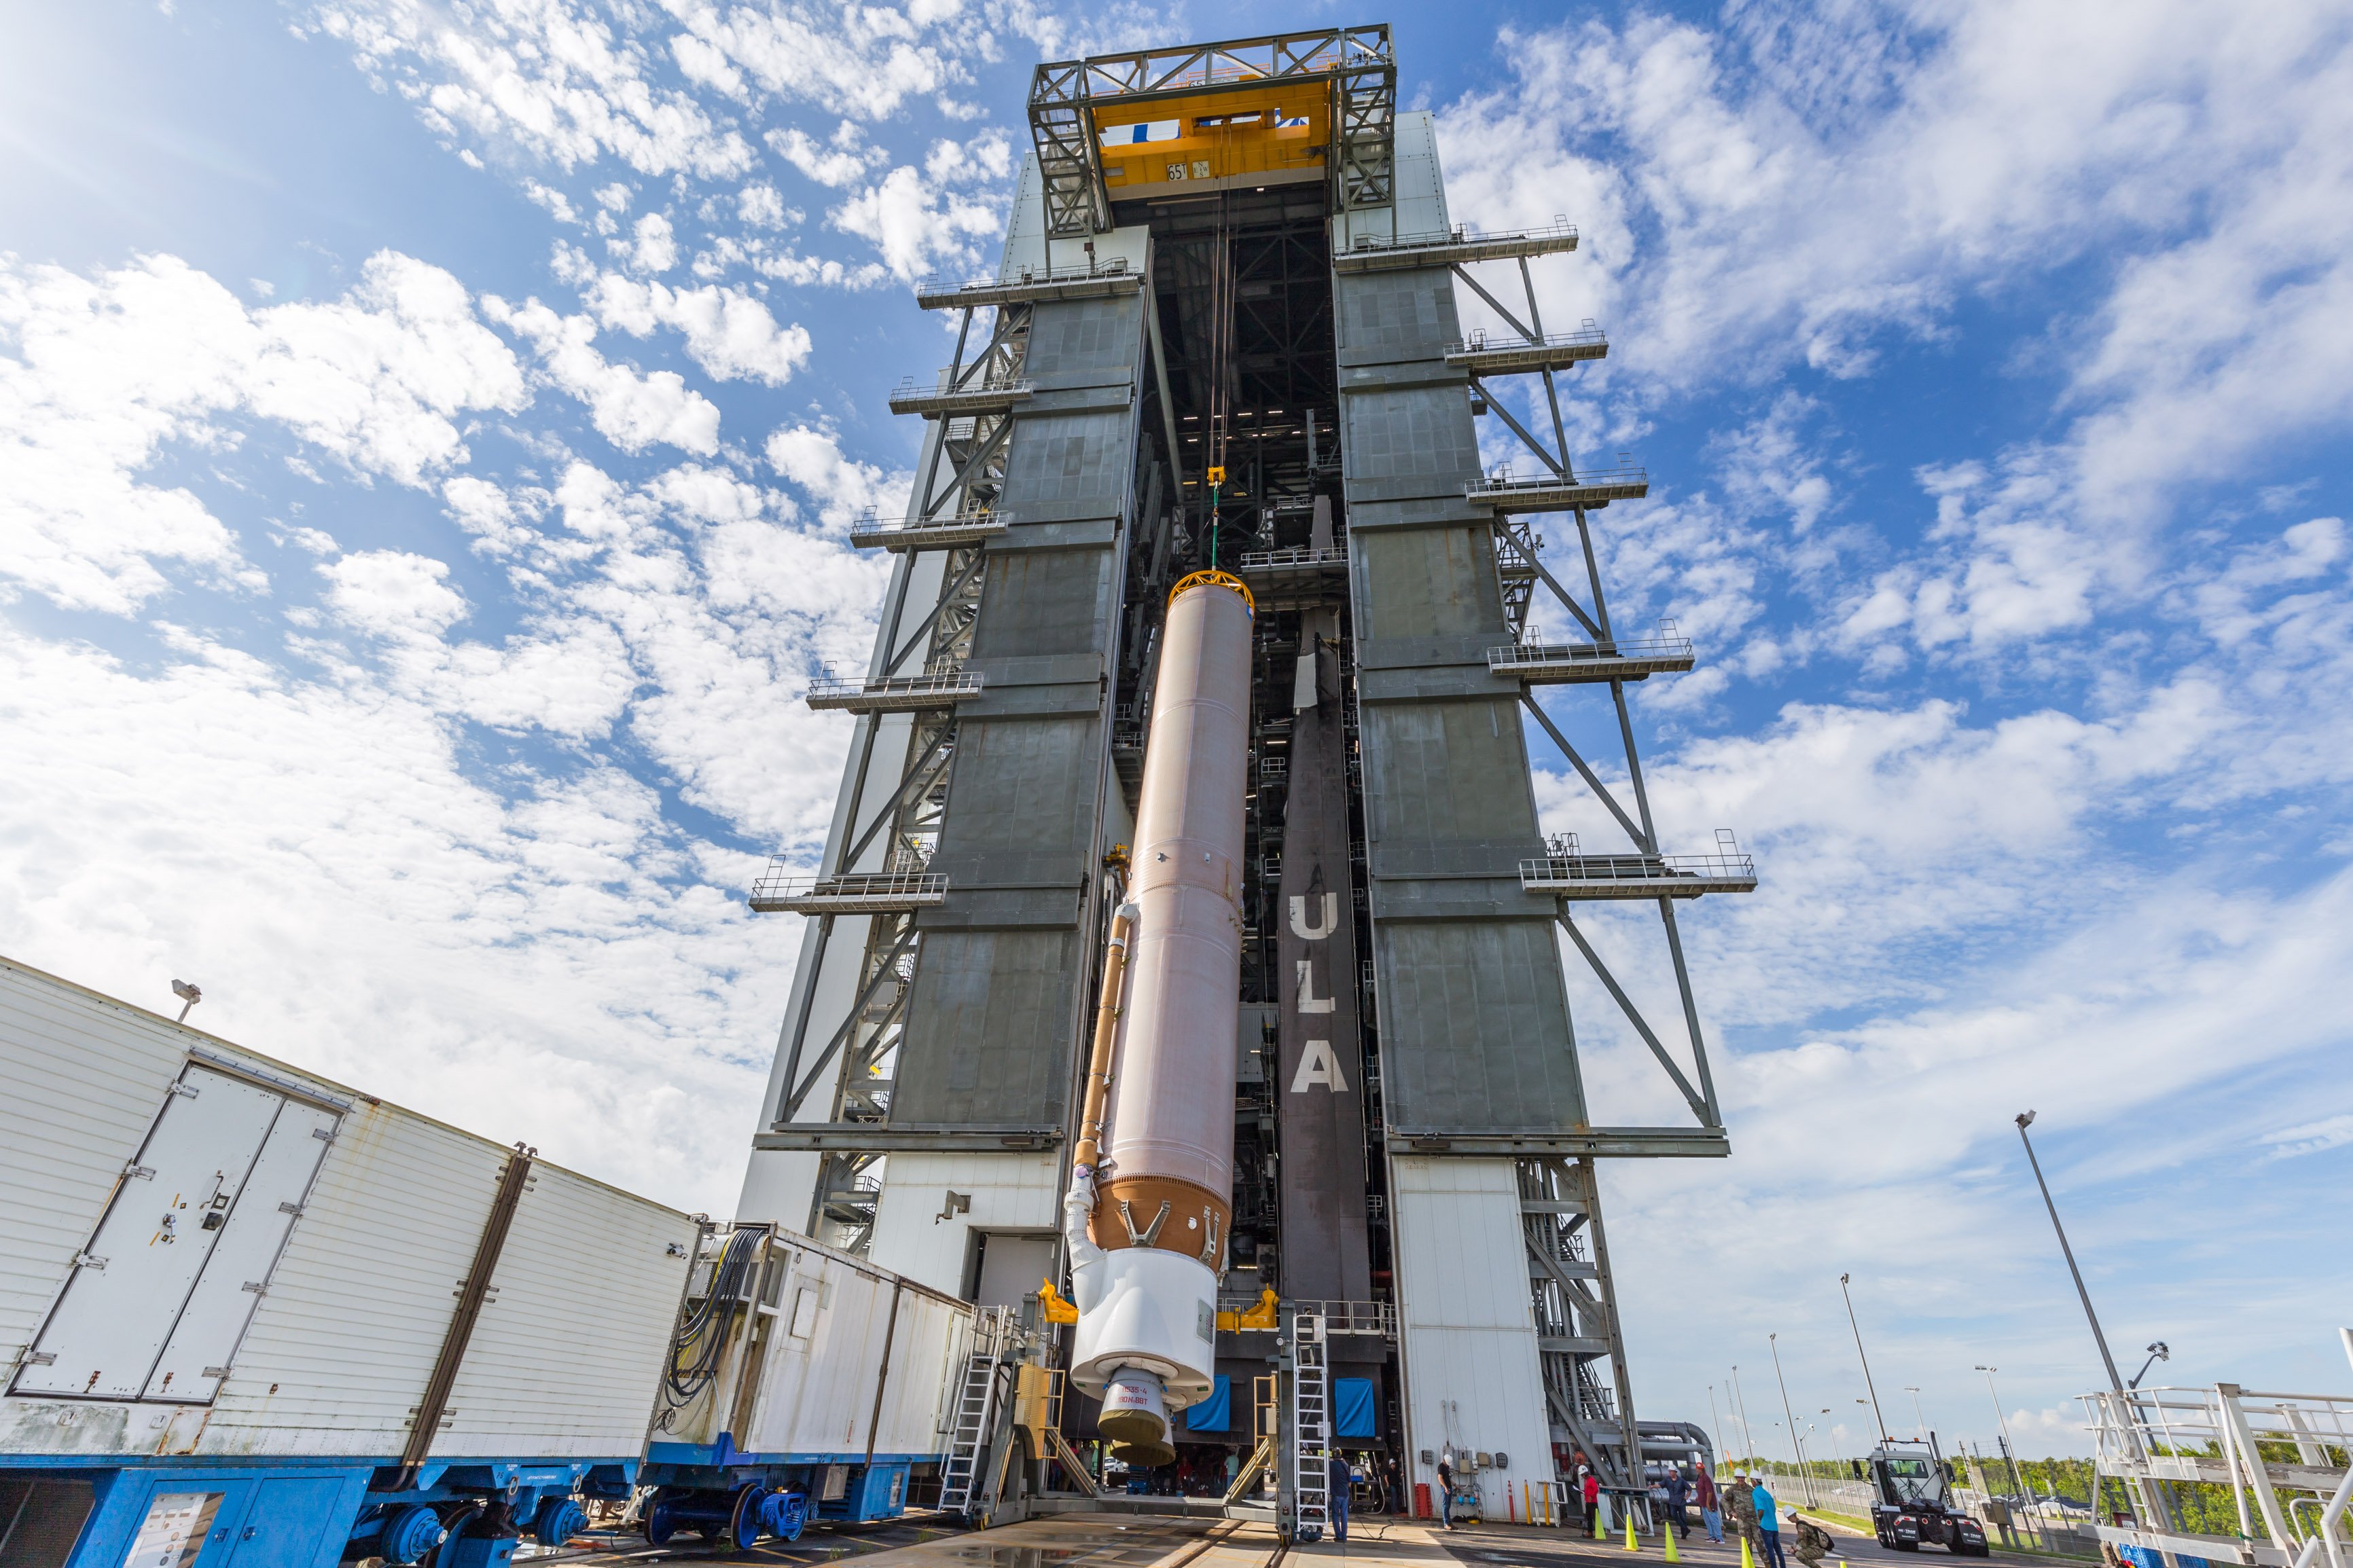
x=564 y=1363
x=1474 y=1023
x=994 y=1012
x=1469 y=1339
x=81 y=1081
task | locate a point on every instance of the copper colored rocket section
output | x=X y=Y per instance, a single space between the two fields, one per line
x=1168 y=1179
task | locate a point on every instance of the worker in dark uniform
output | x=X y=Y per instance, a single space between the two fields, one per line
x=1339 y=1484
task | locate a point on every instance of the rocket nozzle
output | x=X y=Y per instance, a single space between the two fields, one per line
x=1135 y=1418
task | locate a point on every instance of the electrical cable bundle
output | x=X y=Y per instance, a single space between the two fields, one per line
x=702 y=1337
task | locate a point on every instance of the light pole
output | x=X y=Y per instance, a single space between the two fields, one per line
x=1850 y=1323
x=1915 y=1411
x=2007 y=1446
x=1774 y=1340
x=1747 y=1431
x=2152 y=1496
x=1718 y=1421
x=2025 y=1118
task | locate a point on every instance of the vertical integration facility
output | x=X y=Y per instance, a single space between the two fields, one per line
x=1224 y=338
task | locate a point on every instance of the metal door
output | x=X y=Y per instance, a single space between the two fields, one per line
x=171 y=1208
x=236 y=1275
x=289 y=1523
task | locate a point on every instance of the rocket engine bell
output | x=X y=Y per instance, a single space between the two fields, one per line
x=1150 y=1200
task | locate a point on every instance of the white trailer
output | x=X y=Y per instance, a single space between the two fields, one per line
x=244 y=1309
x=824 y=1377
x=250 y=1317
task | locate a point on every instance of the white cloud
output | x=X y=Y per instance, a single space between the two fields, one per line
x=762 y=207
x=110 y=370
x=393 y=594
x=840 y=160
x=559 y=206
x=560 y=966
x=630 y=410
x=2312 y=1138
x=842 y=487
x=864 y=60
x=536 y=75
x=653 y=245
x=728 y=334
x=918 y=219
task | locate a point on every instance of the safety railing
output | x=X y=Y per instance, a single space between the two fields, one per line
x=870 y=531
x=1558 y=235
x=1587 y=341
x=907 y=693
x=1545 y=657
x=1297 y=557
x=879 y=892
x=1621 y=475
x=1571 y=875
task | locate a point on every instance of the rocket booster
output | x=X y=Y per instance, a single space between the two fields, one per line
x=1150 y=1202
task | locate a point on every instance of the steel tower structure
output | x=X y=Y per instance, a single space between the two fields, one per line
x=1224 y=334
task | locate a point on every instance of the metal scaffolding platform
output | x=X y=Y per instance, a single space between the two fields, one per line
x=1458 y=245
x=1276 y=575
x=1571 y=664
x=1482 y=356
x=858 y=893
x=1639 y=876
x=1029 y=286
x=897 y=694
x=945 y=397
x=952 y=531
x=1557 y=493
x=1352 y=70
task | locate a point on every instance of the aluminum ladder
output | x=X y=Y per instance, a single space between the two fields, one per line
x=1310 y=1428
x=974 y=1420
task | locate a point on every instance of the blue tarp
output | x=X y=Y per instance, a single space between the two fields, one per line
x=1352 y=1407
x=1213 y=1414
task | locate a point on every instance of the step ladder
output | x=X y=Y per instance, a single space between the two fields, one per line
x=974 y=1420
x=1310 y=1428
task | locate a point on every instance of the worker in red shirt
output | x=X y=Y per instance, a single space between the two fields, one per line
x=1593 y=1503
x=1711 y=1508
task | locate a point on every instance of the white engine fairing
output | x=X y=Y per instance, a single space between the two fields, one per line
x=1157 y=1310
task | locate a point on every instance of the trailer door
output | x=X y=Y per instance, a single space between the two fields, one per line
x=236 y=1275
x=169 y=1211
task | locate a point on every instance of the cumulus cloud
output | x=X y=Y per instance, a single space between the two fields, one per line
x=923 y=219
x=630 y=410
x=812 y=458
x=728 y=334
x=863 y=62
x=837 y=162
x=393 y=593
x=109 y=370
x=548 y=79
x=651 y=247
x=559 y=965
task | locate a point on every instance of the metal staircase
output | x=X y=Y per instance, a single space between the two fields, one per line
x=973 y=1431
x=1310 y=1428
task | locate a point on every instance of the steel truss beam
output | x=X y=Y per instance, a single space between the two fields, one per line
x=1575 y=1303
x=1520 y=569
x=1358 y=64
x=963 y=475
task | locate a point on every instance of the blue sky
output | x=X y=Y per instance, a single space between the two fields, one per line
x=430 y=433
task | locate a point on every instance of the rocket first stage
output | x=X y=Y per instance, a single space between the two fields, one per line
x=1150 y=1199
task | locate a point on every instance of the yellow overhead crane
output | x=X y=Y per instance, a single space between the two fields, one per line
x=1262 y=133
x=1289 y=108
